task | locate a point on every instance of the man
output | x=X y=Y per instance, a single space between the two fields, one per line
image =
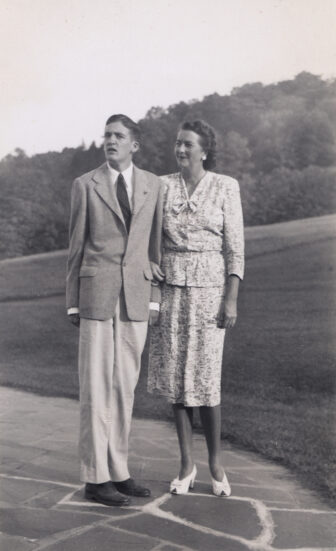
x=115 y=231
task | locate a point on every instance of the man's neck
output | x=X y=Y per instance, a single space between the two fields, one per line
x=120 y=167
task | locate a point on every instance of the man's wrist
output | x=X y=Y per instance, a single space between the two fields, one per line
x=154 y=306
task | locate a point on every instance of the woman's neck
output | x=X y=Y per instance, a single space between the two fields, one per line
x=193 y=176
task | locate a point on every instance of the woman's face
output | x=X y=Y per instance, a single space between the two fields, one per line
x=189 y=152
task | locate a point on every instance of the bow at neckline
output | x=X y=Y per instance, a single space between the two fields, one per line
x=182 y=205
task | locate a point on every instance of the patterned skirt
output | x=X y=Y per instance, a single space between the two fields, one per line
x=186 y=348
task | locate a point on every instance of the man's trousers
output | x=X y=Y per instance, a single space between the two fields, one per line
x=109 y=366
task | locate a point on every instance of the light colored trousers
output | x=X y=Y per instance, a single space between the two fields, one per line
x=109 y=366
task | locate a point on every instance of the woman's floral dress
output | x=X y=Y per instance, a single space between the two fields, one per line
x=203 y=243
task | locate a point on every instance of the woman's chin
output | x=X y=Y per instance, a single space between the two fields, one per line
x=182 y=163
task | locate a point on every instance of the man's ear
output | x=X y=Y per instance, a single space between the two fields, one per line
x=136 y=146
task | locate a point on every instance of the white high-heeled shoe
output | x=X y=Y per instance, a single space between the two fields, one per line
x=223 y=488
x=178 y=486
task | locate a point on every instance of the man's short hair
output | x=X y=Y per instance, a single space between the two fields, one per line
x=128 y=123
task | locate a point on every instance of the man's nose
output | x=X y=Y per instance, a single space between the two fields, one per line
x=111 y=139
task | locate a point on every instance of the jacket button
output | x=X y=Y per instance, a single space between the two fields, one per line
x=124 y=263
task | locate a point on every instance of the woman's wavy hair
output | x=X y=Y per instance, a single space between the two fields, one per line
x=208 y=140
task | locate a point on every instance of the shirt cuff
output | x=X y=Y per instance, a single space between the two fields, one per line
x=73 y=311
x=240 y=276
x=154 y=306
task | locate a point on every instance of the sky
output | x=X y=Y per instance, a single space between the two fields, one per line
x=66 y=65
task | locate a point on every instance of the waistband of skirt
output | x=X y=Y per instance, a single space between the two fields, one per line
x=179 y=252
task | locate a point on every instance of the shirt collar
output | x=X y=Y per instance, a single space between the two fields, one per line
x=127 y=174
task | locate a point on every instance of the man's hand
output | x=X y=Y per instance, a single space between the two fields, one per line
x=74 y=319
x=153 y=317
x=157 y=272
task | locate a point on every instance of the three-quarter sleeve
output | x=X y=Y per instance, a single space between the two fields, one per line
x=233 y=229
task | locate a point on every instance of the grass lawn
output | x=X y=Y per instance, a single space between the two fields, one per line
x=279 y=362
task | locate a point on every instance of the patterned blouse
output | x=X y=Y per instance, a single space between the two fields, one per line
x=203 y=238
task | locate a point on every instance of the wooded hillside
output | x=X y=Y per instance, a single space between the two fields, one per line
x=278 y=140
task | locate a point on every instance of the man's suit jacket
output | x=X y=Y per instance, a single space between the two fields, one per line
x=103 y=257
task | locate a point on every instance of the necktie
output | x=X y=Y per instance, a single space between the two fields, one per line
x=123 y=201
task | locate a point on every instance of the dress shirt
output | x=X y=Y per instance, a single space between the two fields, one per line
x=128 y=177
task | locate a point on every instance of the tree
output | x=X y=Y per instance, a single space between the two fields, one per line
x=277 y=139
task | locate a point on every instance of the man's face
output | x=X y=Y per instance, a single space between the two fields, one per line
x=119 y=145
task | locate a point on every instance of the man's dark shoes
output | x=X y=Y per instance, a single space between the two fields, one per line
x=130 y=488
x=105 y=493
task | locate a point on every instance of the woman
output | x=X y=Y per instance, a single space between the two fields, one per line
x=202 y=263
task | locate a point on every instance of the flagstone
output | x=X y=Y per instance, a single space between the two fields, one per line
x=43 y=505
x=181 y=534
x=304 y=529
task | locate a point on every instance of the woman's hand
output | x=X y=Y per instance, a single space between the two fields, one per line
x=157 y=272
x=228 y=314
x=230 y=310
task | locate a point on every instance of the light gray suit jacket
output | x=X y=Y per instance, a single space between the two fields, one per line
x=103 y=258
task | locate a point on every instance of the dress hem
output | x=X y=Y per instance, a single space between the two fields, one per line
x=173 y=401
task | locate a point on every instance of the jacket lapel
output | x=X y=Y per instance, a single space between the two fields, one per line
x=140 y=190
x=106 y=190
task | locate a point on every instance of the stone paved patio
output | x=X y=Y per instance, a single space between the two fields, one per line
x=42 y=505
